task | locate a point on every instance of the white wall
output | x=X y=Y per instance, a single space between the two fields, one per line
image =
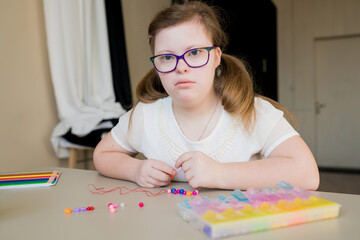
x=27 y=102
x=137 y=16
x=301 y=24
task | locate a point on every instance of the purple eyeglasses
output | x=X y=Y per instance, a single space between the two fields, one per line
x=194 y=58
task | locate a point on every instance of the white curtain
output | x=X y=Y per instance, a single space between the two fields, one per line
x=80 y=67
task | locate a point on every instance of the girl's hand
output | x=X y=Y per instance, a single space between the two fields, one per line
x=199 y=169
x=154 y=173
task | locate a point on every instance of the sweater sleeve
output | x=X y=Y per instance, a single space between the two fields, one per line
x=281 y=132
x=130 y=136
x=271 y=128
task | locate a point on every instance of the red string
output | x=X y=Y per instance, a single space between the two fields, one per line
x=125 y=190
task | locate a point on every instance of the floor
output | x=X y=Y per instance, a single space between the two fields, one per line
x=339 y=182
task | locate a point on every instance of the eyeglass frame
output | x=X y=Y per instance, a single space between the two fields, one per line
x=182 y=57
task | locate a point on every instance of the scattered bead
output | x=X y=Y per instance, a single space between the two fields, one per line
x=112 y=210
x=68 y=211
x=122 y=204
x=141 y=204
x=183 y=192
x=83 y=209
x=76 y=210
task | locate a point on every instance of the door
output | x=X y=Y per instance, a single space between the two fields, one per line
x=337 y=91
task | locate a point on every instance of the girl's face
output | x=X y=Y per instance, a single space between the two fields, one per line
x=187 y=86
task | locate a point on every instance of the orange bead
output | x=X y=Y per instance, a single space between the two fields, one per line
x=68 y=211
x=188 y=193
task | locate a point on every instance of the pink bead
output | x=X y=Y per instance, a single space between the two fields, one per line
x=141 y=204
x=169 y=190
x=195 y=192
x=184 y=192
x=115 y=205
x=110 y=204
x=112 y=210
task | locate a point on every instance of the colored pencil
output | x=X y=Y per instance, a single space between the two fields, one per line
x=30 y=179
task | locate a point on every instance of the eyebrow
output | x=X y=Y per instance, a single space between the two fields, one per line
x=171 y=52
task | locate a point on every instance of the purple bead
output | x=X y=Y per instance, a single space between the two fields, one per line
x=76 y=210
x=83 y=209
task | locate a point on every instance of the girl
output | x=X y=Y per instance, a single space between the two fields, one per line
x=198 y=118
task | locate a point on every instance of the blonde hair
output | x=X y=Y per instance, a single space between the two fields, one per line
x=234 y=84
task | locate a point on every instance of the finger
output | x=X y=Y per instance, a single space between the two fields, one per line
x=183 y=158
x=188 y=176
x=163 y=167
x=157 y=183
x=186 y=166
x=160 y=175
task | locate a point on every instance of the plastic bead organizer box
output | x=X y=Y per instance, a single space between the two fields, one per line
x=254 y=210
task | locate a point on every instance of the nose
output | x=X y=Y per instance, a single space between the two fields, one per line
x=182 y=66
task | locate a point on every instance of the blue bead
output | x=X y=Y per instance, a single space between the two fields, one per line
x=181 y=191
x=173 y=190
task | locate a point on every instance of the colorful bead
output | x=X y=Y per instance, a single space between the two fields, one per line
x=183 y=192
x=112 y=210
x=141 y=204
x=83 y=209
x=68 y=211
x=122 y=204
x=76 y=210
x=91 y=208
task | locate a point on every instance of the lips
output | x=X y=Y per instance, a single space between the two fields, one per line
x=184 y=82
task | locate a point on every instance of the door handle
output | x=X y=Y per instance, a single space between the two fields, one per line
x=319 y=106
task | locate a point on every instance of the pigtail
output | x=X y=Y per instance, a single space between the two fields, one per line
x=234 y=85
x=150 y=88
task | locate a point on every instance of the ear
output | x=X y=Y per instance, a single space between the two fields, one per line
x=218 y=53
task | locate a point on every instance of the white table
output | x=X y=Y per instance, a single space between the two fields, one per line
x=38 y=213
